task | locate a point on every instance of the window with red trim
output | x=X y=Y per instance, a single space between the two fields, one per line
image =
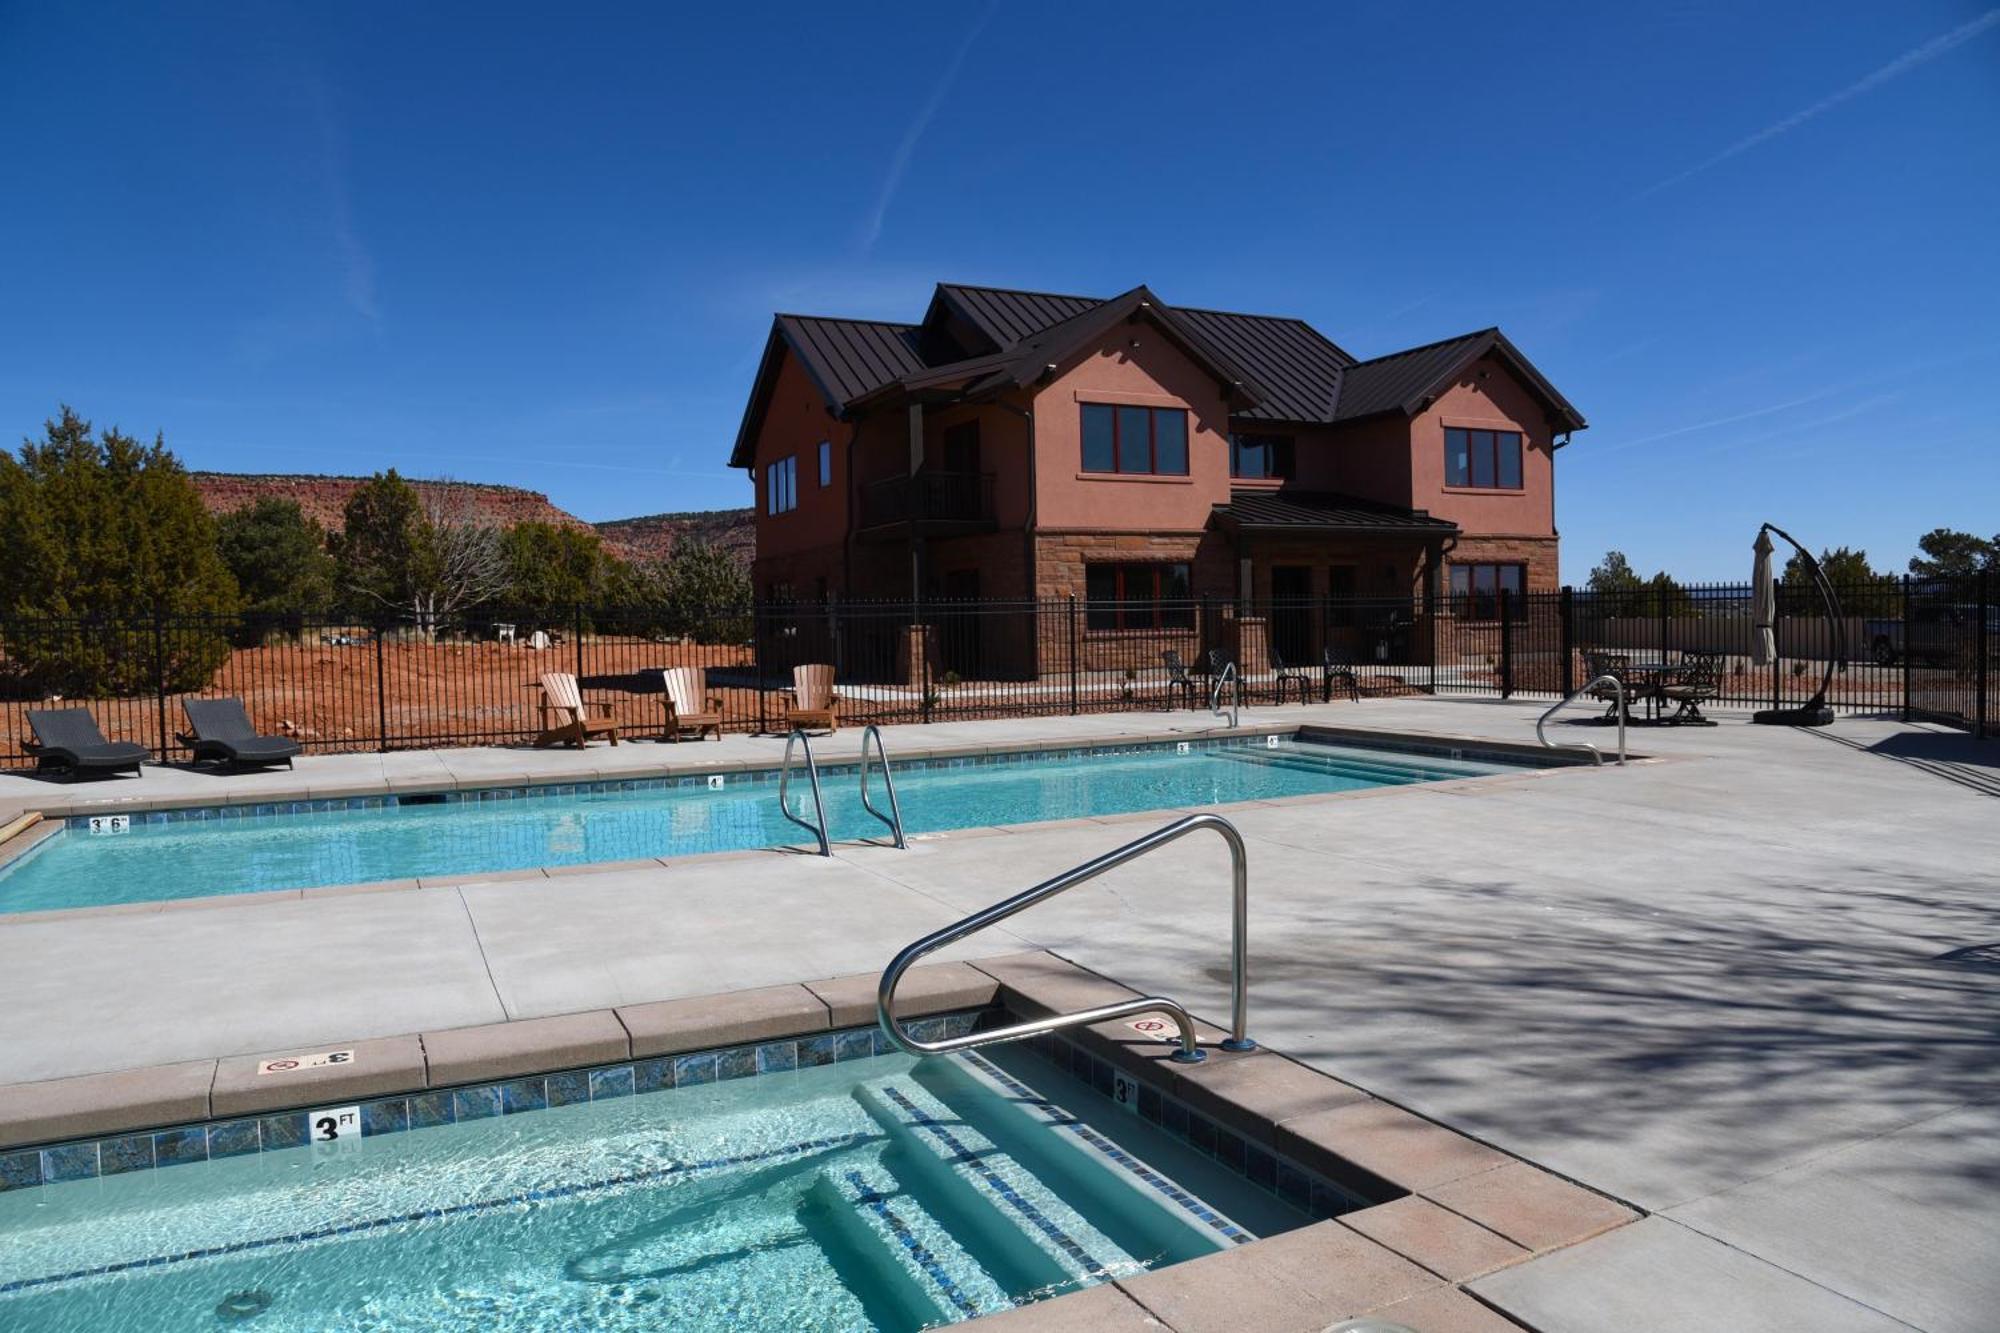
x=1138 y=596
x=1135 y=440
x=1476 y=589
x=1482 y=459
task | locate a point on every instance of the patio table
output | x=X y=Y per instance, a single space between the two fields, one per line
x=1646 y=679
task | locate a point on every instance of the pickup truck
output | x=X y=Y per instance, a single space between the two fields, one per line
x=1934 y=636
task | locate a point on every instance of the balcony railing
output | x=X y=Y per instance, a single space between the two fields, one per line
x=929 y=498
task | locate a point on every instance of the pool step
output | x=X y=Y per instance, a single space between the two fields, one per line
x=1035 y=1234
x=1386 y=773
x=1135 y=1202
x=912 y=1254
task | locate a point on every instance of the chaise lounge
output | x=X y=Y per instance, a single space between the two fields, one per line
x=67 y=740
x=224 y=734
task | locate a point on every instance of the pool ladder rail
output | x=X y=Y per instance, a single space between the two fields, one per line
x=894 y=819
x=817 y=825
x=1227 y=676
x=1189 y=1052
x=1596 y=756
x=818 y=829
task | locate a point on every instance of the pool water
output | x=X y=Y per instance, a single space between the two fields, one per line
x=881 y=1193
x=247 y=854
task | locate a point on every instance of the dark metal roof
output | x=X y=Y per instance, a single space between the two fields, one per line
x=1297 y=509
x=1287 y=370
x=1401 y=381
x=1298 y=367
x=848 y=357
x=1008 y=317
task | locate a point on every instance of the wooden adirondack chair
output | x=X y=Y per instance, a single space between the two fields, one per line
x=811 y=701
x=565 y=718
x=685 y=705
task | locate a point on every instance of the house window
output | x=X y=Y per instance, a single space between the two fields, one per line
x=1475 y=589
x=826 y=462
x=1487 y=459
x=781 y=485
x=1260 y=457
x=1138 y=596
x=1135 y=440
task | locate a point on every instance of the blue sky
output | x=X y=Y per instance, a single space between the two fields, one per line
x=541 y=245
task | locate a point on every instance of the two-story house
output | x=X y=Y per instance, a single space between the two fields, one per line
x=1133 y=454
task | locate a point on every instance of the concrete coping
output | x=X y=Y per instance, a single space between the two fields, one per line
x=126 y=1100
x=1452 y=1208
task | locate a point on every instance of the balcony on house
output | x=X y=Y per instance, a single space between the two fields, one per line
x=938 y=503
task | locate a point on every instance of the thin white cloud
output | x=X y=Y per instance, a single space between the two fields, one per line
x=1711 y=424
x=1901 y=65
x=899 y=162
x=357 y=265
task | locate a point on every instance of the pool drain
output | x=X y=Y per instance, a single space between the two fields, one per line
x=240 y=1305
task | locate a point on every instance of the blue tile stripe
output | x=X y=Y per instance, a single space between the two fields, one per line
x=878 y=1204
x=61 y=1163
x=365 y=1225
x=542 y=791
x=1062 y=1119
x=976 y=1160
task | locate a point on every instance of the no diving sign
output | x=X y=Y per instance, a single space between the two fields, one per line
x=1159 y=1029
x=293 y=1063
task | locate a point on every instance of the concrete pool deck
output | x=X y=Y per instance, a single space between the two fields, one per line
x=1749 y=992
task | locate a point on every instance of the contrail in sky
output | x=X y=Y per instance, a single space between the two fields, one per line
x=900 y=161
x=1901 y=65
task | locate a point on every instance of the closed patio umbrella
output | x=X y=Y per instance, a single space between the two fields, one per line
x=1814 y=712
x=1763 y=605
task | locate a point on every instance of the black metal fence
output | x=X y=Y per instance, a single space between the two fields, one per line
x=1925 y=649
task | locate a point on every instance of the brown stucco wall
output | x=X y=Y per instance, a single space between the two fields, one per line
x=795 y=423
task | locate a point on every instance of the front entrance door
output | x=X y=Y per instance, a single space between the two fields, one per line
x=1291 y=613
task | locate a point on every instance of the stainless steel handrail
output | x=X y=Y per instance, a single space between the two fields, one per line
x=894 y=819
x=1561 y=704
x=799 y=737
x=1227 y=676
x=1190 y=1050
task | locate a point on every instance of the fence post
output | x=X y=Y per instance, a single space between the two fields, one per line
x=1506 y=645
x=1075 y=704
x=758 y=633
x=576 y=634
x=1981 y=633
x=1905 y=655
x=1565 y=610
x=160 y=676
x=381 y=692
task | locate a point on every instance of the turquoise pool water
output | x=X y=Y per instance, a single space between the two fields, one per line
x=249 y=853
x=880 y=1193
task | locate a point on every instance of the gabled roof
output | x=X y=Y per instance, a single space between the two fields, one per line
x=1279 y=370
x=1007 y=317
x=1405 y=381
x=1298 y=366
x=844 y=358
x=1297 y=511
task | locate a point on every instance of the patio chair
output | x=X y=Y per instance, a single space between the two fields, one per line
x=1178 y=678
x=1284 y=673
x=224 y=734
x=564 y=718
x=1337 y=664
x=687 y=710
x=1697 y=680
x=67 y=740
x=811 y=701
x=1597 y=663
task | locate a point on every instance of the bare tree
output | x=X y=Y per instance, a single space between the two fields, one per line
x=460 y=562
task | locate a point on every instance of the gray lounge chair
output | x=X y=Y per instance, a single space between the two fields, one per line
x=223 y=734
x=67 y=740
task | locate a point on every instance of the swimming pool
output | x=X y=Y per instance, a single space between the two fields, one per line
x=875 y=1193
x=246 y=849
